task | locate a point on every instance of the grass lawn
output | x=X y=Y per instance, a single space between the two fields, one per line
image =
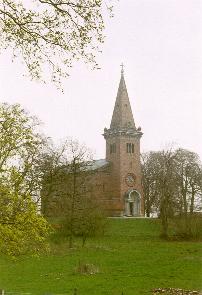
x=131 y=259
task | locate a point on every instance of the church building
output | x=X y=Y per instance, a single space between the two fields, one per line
x=115 y=182
x=117 y=179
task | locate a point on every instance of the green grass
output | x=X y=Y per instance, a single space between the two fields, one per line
x=131 y=259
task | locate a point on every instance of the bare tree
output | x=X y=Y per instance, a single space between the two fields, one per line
x=189 y=179
x=149 y=177
x=159 y=184
x=172 y=181
x=166 y=187
x=67 y=192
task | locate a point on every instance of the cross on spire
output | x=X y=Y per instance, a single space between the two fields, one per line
x=122 y=68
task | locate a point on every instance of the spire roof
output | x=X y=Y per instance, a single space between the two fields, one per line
x=122 y=117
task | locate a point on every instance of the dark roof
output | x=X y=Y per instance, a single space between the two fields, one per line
x=96 y=164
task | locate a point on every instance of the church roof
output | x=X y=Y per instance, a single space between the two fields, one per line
x=96 y=164
x=122 y=115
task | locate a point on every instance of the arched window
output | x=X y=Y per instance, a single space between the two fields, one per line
x=112 y=148
x=130 y=148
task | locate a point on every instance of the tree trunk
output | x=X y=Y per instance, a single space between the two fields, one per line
x=185 y=205
x=73 y=206
x=164 y=219
x=83 y=240
x=70 y=240
x=164 y=227
x=192 y=200
x=148 y=209
x=185 y=215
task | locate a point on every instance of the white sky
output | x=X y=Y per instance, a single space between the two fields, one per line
x=160 y=43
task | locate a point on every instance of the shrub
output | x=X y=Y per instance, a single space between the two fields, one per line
x=186 y=228
x=87 y=268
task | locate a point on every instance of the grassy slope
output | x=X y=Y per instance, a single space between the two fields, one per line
x=131 y=258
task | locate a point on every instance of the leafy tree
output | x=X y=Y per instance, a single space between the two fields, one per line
x=21 y=227
x=22 y=230
x=91 y=220
x=51 y=34
x=20 y=149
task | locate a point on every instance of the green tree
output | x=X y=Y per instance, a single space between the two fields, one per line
x=50 y=34
x=22 y=229
x=21 y=226
x=91 y=220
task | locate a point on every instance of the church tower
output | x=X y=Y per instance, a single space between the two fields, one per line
x=123 y=152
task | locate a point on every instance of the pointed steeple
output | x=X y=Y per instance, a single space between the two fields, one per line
x=122 y=117
x=122 y=122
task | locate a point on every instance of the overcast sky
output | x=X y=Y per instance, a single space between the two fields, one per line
x=160 y=43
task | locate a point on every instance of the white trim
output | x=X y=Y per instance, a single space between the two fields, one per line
x=133 y=205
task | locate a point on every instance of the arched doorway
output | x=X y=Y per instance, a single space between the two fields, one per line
x=132 y=203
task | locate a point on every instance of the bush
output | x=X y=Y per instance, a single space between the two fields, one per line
x=187 y=228
x=87 y=268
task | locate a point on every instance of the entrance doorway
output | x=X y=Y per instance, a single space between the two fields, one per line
x=132 y=203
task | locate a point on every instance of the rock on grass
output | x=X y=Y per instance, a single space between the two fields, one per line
x=168 y=291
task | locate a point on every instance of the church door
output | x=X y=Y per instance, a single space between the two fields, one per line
x=132 y=204
x=131 y=208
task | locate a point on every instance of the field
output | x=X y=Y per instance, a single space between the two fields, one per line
x=131 y=258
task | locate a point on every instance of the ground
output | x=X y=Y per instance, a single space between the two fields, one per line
x=131 y=258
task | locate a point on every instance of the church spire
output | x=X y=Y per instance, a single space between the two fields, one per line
x=122 y=117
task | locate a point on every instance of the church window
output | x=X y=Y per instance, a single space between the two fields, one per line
x=127 y=146
x=130 y=148
x=112 y=148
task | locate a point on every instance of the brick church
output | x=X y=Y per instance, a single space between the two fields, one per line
x=117 y=179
